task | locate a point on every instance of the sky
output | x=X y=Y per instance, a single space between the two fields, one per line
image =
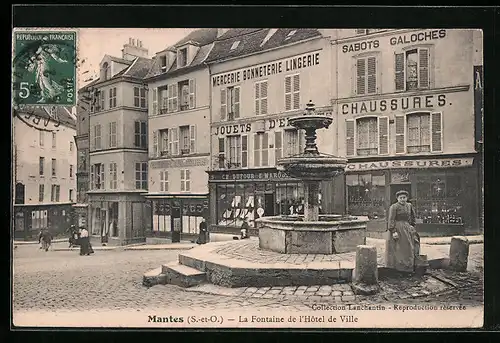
x=94 y=43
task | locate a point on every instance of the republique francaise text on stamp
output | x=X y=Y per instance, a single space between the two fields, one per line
x=44 y=68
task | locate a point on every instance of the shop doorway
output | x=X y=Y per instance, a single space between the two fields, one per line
x=269 y=204
x=176 y=224
x=397 y=188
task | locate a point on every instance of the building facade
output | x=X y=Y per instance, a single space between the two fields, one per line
x=406 y=110
x=83 y=158
x=260 y=78
x=179 y=120
x=118 y=143
x=44 y=169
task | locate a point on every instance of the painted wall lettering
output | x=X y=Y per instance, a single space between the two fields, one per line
x=407 y=103
x=361 y=46
x=232 y=129
x=418 y=37
x=264 y=70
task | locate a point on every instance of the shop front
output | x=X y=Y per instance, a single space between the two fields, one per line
x=444 y=192
x=30 y=219
x=119 y=218
x=239 y=195
x=177 y=216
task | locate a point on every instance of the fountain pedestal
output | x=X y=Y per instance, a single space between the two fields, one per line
x=311 y=206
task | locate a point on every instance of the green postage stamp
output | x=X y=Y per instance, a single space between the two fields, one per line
x=44 y=68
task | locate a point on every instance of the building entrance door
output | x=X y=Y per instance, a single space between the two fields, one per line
x=176 y=224
x=269 y=204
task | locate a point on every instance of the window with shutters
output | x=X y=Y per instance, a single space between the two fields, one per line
x=55 y=193
x=183 y=89
x=141 y=175
x=155 y=102
x=182 y=55
x=294 y=142
x=164 y=180
x=292 y=92
x=113 y=176
x=221 y=157
x=163 y=142
x=383 y=135
x=172 y=98
x=140 y=97
x=173 y=141
x=185 y=180
x=112 y=135
x=41 y=191
x=436 y=132
x=419 y=132
x=412 y=69
x=244 y=151
x=366 y=75
x=54 y=167
x=261 y=97
x=367 y=136
x=97 y=176
x=140 y=134
x=112 y=97
x=232 y=103
x=192 y=94
x=187 y=139
x=71 y=175
x=278 y=146
x=97 y=137
x=163 y=63
x=261 y=149
x=54 y=140
x=164 y=103
x=41 y=166
x=233 y=155
x=400 y=134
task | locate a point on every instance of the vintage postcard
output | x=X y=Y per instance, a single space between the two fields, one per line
x=247 y=178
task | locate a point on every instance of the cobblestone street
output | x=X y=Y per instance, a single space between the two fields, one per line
x=63 y=281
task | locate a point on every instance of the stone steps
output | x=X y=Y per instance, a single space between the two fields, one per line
x=154 y=277
x=182 y=275
x=192 y=261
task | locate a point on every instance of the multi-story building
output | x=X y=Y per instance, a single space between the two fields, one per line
x=179 y=121
x=118 y=144
x=82 y=145
x=44 y=170
x=405 y=108
x=259 y=78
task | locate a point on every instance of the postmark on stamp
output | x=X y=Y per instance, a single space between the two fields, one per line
x=44 y=68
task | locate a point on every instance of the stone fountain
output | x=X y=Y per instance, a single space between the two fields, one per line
x=312 y=233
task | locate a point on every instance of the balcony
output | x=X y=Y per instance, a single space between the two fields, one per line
x=185 y=151
x=164 y=153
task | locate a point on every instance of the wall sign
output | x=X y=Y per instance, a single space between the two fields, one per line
x=396 y=104
x=270 y=124
x=179 y=163
x=249 y=175
x=267 y=69
x=418 y=37
x=413 y=164
x=361 y=46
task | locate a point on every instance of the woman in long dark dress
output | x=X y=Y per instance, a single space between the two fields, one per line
x=403 y=244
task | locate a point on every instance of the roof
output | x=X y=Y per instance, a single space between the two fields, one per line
x=204 y=37
x=64 y=117
x=251 y=41
x=119 y=60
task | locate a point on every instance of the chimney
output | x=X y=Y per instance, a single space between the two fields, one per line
x=134 y=49
x=220 y=32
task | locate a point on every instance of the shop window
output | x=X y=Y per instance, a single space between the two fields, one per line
x=412 y=69
x=366 y=75
x=290 y=198
x=366 y=194
x=437 y=199
x=236 y=202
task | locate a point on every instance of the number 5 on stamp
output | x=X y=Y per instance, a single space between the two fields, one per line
x=44 y=68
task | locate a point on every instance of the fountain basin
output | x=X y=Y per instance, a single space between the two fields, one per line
x=313 y=167
x=331 y=234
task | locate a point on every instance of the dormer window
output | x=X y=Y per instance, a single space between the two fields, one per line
x=163 y=64
x=105 y=71
x=182 y=55
x=268 y=36
x=290 y=34
x=235 y=45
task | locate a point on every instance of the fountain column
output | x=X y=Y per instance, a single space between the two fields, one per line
x=311 y=206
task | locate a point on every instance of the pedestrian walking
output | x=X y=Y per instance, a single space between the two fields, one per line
x=85 y=246
x=403 y=243
x=45 y=237
x=244 y=229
